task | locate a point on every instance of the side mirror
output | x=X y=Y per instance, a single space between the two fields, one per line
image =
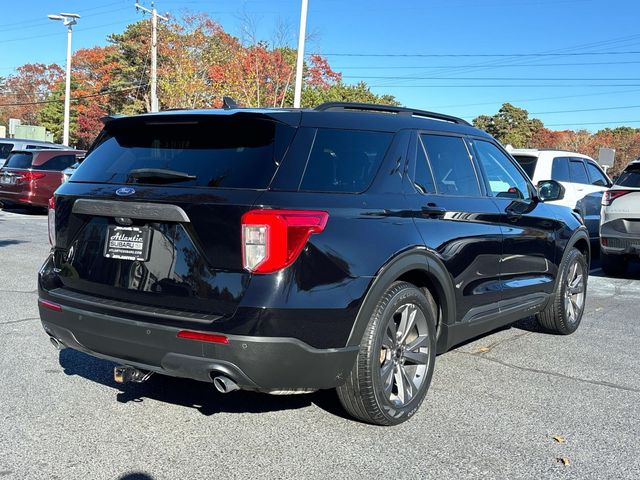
x=550 y=190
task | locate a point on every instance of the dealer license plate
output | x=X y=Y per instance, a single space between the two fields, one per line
x=127 y=243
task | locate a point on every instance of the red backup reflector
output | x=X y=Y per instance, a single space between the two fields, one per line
x=203 y=337
x=273 y=239
x=51 y=221
x=610 y=195
x=50 y=305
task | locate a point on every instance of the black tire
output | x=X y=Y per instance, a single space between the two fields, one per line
x=564 y=314
x=613 y=265
x=364 y=395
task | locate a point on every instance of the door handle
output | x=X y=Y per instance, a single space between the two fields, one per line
x=433 y=211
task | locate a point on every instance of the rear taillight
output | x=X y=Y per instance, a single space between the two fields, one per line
x=30 y=176
x=610 y=195
x=273 y=239
x=52 y=221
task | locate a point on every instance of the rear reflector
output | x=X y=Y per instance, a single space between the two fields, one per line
x=273 y=239
x=51 y=217
x=50 y=305
x=203 y=337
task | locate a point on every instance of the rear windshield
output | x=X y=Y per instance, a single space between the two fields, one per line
x=19 y=160
x=224 y=152
x=5 y=148
x=527 y=163
x=630 y=177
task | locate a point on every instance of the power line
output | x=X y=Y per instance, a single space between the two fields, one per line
x=591 y=123
x=73 y=99
x=592 y=79
x=537 y=99
x=455 y=55
x=533 y=85
x=402 y=67
x=586 y=110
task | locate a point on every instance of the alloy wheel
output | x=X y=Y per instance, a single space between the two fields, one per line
x=404 y=356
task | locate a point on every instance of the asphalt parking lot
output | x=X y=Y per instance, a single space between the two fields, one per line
x=493 y=410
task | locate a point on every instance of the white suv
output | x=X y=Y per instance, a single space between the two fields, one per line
x=582 y=178
x=620 y=221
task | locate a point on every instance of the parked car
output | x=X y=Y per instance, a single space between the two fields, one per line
x=67 y=172
x=581 y=177
x=9 y=144
x=620 y=221
x=286 y=251
x=31 y=176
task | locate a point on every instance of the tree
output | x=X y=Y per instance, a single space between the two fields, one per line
x=339 y=92
x=30 y=84
x=510 y=126
x=51 y=116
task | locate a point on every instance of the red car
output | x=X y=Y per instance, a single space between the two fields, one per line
x=29 y=177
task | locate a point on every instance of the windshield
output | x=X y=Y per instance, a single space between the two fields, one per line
x=223 y=152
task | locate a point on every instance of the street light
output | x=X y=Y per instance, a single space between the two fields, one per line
x=69 y=19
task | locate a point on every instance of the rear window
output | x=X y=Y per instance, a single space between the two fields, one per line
x=630 y=177
x=19 y=160
x=5 y=149
x=527 y=163
x=344 y=160
x=221 y=151
x=57 y=163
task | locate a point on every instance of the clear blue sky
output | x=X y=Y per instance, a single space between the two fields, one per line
x=453 y=37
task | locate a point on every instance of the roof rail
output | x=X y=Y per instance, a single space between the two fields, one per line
x=374 y=107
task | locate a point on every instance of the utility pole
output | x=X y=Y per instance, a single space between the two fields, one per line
x=154 y=52
x=69 y=19
x=300 y=61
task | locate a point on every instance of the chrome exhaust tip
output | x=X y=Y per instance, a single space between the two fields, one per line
x=225 y=384
x=57 y=343
x=125 y=374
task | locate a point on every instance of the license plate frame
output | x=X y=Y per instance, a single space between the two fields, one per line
x=127 y=243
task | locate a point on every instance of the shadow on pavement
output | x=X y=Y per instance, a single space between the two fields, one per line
x=135 y=476
x=190 y=393
x=6 y=243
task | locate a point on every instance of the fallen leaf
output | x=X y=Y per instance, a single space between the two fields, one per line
x=483 y=349
x=559 y=439
x=564 y=461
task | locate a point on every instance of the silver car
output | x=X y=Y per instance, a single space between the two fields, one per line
x=620 y=221
x=7 y=145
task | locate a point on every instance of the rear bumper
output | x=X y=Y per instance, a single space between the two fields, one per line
x=254 y=363
x=616 y=238
x=24 y=198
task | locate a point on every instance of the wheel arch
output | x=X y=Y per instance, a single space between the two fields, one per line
x=420 y=267
x=580 y=240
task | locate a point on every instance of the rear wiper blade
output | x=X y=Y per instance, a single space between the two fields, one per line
x=160 y=174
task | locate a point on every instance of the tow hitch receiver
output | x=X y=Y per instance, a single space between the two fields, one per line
x=125 y=373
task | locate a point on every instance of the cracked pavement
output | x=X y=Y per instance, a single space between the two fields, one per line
x=494 y=406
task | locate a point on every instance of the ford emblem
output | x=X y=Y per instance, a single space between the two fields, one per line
x=125 y=191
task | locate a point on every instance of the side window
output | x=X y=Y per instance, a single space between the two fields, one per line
x=5 y=149
x=578 y=172
x=453 y=171
x=505 y=180
x=58 y=163
x=597 y=177
x=344 y=160
x=560 y=170
x=424 y=177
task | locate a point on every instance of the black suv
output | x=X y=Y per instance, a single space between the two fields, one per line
x=295 y=250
